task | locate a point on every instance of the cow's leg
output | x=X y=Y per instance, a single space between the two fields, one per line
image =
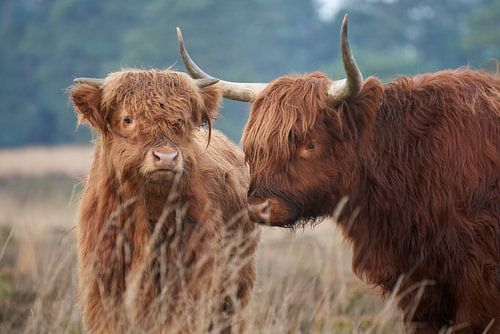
x=427 y=311
x=478 y=305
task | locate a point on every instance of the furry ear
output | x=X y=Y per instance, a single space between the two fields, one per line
x=207 y=111
x=212 y=97
x=86 y=100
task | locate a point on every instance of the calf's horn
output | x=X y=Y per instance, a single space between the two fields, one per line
x=90 y=81
x=239 y=91
x=341 y=90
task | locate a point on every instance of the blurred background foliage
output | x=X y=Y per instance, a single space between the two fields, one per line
x=46 y=43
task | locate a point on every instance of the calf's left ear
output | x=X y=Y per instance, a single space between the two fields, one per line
x=211 y=97
x=86 y=99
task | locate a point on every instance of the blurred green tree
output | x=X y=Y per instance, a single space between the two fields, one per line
x=481 y=40
x=47 y=43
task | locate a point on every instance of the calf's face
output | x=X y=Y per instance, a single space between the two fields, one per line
x=146 y=119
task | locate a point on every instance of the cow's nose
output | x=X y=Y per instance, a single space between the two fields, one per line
x=165 y=157
x=260 y=212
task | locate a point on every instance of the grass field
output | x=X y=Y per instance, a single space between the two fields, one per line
x=305 y=283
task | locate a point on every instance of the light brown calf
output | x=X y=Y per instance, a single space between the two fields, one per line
x=164 y=242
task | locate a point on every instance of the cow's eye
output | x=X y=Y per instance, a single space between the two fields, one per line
x=307 y=148
x=127 y=120
x=309 y=145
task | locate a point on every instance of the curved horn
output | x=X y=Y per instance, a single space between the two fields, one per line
x=90 y=81
x=341 y=90
x=205 y=82
x=239 y=91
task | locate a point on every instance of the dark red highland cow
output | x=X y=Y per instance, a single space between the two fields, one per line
x=418 y=160
x=164 y=240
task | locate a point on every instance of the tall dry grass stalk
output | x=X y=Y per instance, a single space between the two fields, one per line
x=175 y=288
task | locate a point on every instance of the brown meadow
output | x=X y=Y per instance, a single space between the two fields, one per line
x=304 y=278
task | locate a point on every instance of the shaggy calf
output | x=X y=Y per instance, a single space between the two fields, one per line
x=418 y=160
x=164 y=240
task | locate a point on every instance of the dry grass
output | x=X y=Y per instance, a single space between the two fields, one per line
x=304 y=285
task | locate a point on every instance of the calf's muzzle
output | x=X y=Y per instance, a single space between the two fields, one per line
x=165 y=157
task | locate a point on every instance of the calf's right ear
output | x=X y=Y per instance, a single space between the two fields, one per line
x=86 y=99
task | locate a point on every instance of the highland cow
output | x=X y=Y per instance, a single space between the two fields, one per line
x=164 y=239
x=418 y=162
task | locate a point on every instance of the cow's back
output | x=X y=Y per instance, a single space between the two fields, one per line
x=436 y=141
x=432 y=189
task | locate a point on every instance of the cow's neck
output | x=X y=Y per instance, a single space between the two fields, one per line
x=383 y=170
x=379 y=195
x=372 y=175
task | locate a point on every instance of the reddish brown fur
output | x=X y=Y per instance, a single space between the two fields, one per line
x=418 y=159
x=157 y=252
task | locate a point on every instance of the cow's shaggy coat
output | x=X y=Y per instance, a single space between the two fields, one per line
x=161 y=251
x=419 y=161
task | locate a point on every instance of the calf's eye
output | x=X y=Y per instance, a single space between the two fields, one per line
x=127 y=120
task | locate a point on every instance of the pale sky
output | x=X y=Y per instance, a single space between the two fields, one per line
x=328 y=8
